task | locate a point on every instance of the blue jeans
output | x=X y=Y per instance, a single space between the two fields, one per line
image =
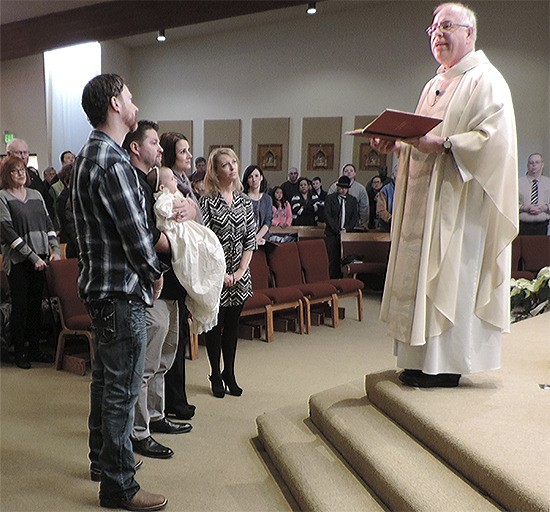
x=120 y=338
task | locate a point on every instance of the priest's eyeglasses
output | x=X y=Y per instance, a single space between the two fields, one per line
x=445 y=26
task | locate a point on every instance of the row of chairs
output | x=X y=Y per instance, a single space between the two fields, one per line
x=291 y=276
x=295 y=276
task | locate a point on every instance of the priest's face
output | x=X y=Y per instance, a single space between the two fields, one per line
x=450 y=45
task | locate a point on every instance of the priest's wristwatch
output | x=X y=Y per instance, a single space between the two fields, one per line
x=447 y=145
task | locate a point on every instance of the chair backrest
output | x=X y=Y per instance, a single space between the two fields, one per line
x=63 y=278
x=517 y=263
x=535 y=252
x=259 y=270
x=314 y=260
x=284 y=263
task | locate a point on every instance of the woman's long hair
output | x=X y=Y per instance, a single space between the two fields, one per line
x=276 y=202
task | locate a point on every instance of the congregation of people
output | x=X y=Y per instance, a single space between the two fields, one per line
x=158 y=240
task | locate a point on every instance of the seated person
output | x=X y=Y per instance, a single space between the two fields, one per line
x=198 y=259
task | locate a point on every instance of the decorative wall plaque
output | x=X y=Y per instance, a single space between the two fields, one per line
x=320 y=157
x=270 y=157
x=369 y=159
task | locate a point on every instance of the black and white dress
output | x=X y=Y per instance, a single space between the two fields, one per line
x=235 y=227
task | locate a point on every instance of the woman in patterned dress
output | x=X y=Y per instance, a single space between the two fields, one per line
x=228 y=212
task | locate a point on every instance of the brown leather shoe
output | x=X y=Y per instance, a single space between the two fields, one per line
x=141 y=501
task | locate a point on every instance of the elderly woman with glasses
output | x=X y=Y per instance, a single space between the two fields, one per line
x=28 y=242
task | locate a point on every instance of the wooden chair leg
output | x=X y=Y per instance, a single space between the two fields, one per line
x=301 y=316
x=269 y=328
x=193 y=342
x=59 y=351
x=307 y=314
x=335 y=318
x=360 y=305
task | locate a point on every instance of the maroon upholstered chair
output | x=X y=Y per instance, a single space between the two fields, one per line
x=315 y=267
x=535 y=252
x=517 y=262
x=286 y=268
x=283 y=298
x=75 y=320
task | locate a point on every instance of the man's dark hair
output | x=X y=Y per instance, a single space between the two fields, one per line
x=138 y=135
x=199 y=159
x=97 y=94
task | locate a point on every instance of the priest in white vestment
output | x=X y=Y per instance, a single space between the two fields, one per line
x=446 y=297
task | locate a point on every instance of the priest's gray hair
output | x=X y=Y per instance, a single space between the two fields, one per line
x=467 y=16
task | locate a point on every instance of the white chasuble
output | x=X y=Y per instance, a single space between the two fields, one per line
x=446 y=297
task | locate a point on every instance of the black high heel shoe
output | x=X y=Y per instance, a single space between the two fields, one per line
x=218 y=389
x=231 y=385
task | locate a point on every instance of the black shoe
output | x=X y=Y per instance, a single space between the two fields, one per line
x=424 y=380
x=22 y=361
x=148 y=447
x=165 y=426
x=231 y=385
x=42 y=357
x=184 y=412
x=218 y=388
x=95 y=474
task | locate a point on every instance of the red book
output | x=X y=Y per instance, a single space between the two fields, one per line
x=394 y=124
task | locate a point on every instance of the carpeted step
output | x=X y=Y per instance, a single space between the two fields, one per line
x=493 y=428
x=316 y=477
x=400 y=470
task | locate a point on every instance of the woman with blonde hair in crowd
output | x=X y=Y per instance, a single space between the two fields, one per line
x=228 y=212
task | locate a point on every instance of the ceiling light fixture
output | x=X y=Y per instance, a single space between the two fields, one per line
x=311 y=8
x=161 y=36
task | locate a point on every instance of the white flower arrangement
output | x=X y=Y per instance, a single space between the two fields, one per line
x=530 y=298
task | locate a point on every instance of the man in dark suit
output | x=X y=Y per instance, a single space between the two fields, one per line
x=341 y=214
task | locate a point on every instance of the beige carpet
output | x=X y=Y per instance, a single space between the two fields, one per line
x=43 y=450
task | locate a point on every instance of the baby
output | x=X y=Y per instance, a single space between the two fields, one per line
x=197 y=256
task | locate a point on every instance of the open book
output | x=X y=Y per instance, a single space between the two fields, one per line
x=394 y=124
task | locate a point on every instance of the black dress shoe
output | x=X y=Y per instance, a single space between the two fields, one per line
x=184 y=412
x=148 y=447
x=165 y=426
x=95 y=474
x=42 y=357
x=424 y=380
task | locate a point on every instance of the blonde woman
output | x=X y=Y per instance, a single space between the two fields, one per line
x=228 y=212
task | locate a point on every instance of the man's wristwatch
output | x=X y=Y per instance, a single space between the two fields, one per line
x=447 y=145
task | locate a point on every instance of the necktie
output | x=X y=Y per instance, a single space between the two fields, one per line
x=534 y=192
x=342 y=213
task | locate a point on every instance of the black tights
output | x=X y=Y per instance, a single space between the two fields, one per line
x=222 y=339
